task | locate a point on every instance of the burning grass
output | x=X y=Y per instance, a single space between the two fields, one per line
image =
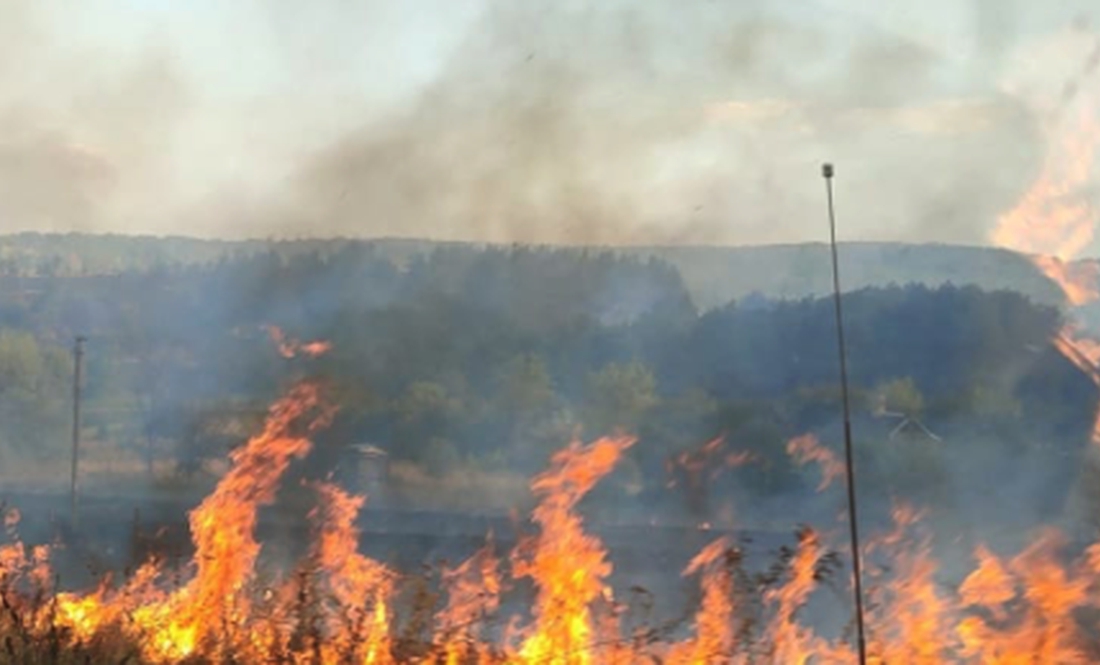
x=339 y=606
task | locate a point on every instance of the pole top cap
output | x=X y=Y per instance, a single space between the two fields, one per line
x=827 y=170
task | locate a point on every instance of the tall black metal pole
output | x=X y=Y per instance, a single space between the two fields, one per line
x=853 y=522
x=78 y=358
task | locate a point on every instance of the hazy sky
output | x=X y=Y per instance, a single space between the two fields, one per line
x=700 y=121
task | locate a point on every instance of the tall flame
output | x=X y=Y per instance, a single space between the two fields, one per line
x=474 y=590
x=790 y=641
x=715 y=637
x=1032 y=608
x=222 y=528
x=567 y=565
x=360 y=587
x=1056 y=219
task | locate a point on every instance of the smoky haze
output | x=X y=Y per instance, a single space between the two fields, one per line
x=615 y=122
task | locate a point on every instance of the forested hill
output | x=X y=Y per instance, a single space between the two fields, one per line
x=472 y=363
x=713 y=275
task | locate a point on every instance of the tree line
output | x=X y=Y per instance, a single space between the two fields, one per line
x=494 y=358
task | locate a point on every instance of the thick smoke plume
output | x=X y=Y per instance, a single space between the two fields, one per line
x=655 y=123
x=570 y=122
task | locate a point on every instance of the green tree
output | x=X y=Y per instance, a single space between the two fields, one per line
x=524 y=387
x=425 y=411
x=34 y=390
x=902 y=396
x=525 y=410
x=619 y=396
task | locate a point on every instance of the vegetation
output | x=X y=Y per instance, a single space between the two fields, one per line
x=713 y=275
x=489 y=359
x=479 y=364
x=36 y=630
x=34 y=390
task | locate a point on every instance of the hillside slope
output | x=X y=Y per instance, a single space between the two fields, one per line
x=714 y=275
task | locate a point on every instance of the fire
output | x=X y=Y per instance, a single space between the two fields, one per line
x=16 y=564
x=714 y=621
x=806 y=448
x=222 y=528
x=704 y=464
x=567 y=565
x=916 y=626
x=791 y=642
x=360 y=587
x=474 y=589
x=1026 y=606
x=1081 y=351
x=211 y=612
x=1055 y=218
x=1026 y=609
x=1078 y=281
x=343 y=607
x=289 y=347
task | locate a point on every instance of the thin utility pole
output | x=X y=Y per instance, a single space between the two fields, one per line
x=78 y=361
x=853 y=522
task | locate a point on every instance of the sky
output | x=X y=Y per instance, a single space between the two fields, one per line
x=611 y=122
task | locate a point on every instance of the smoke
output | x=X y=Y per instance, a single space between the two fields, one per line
x=578 y=122
x=662 y=123
x=82 y=133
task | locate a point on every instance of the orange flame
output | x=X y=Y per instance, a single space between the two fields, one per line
x=793 y=643
x=806 y=448
x=567 y=565
x=211 y=611
x=1028 y=610
x=714 y=621
x=360 y=587
x=1024 y=611
x=222 y=528
x=1029 y=604
x=474 y=594
x=915 y=624
x=1056 y=219
x=289 y=347
x=694 y=464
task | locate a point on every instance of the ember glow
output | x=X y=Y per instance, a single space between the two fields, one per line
x=289 y=347
x=705 y=464
x=806 y=449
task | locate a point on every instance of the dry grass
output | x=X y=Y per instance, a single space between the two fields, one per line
x=30 y=633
